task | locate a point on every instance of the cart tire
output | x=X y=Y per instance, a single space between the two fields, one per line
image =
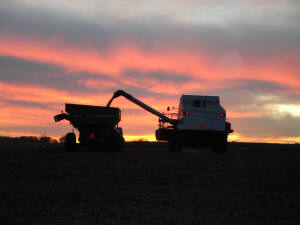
x=70 y=142
x=116 y=143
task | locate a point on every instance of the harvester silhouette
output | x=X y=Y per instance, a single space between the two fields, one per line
x=201 y=121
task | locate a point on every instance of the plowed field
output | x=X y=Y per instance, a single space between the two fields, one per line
x=145 y=184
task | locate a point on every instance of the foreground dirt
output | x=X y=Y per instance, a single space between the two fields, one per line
x=146 y=184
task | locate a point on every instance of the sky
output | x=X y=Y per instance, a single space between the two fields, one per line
x=247 y=52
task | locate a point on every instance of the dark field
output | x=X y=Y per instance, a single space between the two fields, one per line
x=252 y=184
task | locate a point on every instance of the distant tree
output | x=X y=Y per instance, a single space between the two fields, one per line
x=44 y=139
x=34 y=139
x=5 y=139
x=27 y=139
x=22 y=139
x=53 y=141
x=62 y=139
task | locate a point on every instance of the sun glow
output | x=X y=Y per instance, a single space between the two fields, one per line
x=147 y=137
x=291 y=109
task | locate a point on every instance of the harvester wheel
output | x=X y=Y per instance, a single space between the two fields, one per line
x=70 y=142
x=220 y=146
x=175 y=143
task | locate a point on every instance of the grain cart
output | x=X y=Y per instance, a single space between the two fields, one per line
x=201 y=121
x=97 y=126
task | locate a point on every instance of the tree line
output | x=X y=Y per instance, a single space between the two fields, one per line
x=27 y=139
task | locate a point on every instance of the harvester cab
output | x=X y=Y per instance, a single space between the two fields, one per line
x=201 y=122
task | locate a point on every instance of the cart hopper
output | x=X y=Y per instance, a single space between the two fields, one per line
x=86 y=115
x=97 y=126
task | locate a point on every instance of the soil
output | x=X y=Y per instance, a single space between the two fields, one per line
x=147 y=184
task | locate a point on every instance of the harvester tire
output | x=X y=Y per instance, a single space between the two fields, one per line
x=70 y=142
x=220 y=146
x=175 y=143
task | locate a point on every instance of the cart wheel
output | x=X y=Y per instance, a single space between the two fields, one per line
x=116 y=143
x=70 y=142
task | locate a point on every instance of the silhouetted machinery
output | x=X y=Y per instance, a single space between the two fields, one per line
x=97 y=126
x=200 y=121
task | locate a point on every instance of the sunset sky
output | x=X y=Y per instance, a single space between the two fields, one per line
x=247 y=52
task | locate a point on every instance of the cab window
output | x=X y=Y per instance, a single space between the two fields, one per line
x=196 y=103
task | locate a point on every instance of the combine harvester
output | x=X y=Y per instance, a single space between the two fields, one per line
x=201 y=121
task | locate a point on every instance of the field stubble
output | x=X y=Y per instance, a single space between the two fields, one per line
x=146 y=184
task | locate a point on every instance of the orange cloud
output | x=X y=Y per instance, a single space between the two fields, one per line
x=17 y=134
x=118 y=59
x=93 y=83
x=13 y=115
x=31 y=93
x=251 y=113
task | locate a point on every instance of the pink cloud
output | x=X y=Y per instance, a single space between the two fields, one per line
x=121 y=58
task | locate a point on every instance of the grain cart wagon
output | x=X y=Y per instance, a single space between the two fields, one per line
x=97 y=126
